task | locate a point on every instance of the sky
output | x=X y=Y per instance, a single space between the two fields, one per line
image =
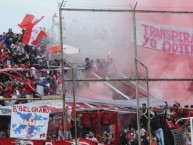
x=13 y=11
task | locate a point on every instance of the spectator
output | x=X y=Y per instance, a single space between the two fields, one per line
x=91 y=137
x=86 y=124
x=156 y=127
x=111 y=69
x=143 y=135
x=123 y=137
x=68 y=129
x=107 y=137
x=144 y=116
x=87 y=67
x=29 y=88
x=10 y=32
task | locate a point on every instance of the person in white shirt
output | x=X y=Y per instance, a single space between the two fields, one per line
x=143 y=135
x=91 y=137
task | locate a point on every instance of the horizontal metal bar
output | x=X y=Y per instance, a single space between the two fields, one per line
x=126 y=10
x=132 y=79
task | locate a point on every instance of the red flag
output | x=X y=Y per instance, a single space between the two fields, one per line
x=29 y=19
x=33 y=34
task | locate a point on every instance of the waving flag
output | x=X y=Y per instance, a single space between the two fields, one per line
x=29 y=19
x=33 y=34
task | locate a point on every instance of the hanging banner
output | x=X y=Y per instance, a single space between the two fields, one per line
x=29 y=122
x=170 y=39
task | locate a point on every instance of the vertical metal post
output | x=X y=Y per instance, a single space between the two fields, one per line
x=62 y=70
x=148 y=103
x=74 y=98
x=191 y=129
x=136 y=75
x=74 y=104
x=148 y=106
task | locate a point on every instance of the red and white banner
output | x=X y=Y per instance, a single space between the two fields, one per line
x=170 y=39
x=29 y=19
x=33 y=34
x=11 y=141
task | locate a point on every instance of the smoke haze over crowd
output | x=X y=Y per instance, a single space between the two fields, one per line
x=97 y=34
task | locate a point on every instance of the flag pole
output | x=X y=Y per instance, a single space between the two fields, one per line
x=62 y=70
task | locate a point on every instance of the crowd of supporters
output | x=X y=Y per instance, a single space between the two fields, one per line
x=98 y=126
x=165 y=129
x=168 y=126
x=27 y=67
x=32 y=62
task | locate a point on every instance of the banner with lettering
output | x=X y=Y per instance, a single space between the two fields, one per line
x=170 y=39
x=29 y=122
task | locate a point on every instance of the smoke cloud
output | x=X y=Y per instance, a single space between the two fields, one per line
x=163 y=65
x=97 y=33
x=96 y=90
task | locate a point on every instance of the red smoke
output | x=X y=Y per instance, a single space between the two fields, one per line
x=96 y=89
x=164 y=65
x=96 y=38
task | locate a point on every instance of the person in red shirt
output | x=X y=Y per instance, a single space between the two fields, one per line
x=106 y=120
x=68 y=129
x=175 y=110
x=8 y=90
x=86 y=124
x=4 y=55
x=29 y=88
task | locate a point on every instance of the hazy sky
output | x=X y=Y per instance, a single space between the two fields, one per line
x=13 y=11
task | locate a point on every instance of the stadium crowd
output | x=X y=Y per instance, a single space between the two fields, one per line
x=25 y=67
x=31 y=60
x=168 y=126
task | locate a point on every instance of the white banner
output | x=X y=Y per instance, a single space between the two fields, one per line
x=170 y=39
x=29 y=122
